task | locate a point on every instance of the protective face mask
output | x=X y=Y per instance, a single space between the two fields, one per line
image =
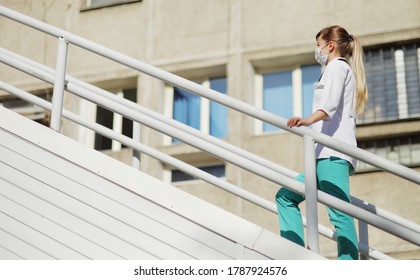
x=320 y=57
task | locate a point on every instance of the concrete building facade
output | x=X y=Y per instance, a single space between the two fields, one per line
x=260 y=52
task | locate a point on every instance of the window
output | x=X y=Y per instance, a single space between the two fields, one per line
x=200 y=113
x=115 y=122
x=96 y=4
x=29 y=110
x=187 y=108
x=215 y=170
x=286 y=93
x=392 y=75
x=310 y=74
x=218 y=112
x=277 y=95
x=401 y=149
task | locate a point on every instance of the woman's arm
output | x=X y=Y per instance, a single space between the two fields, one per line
x=313 y=118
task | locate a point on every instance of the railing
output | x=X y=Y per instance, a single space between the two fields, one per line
x=377 y=217
x=6 y=56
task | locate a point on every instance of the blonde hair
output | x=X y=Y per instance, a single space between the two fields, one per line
x=349 y=46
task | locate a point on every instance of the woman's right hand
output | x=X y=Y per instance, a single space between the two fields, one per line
x=294 y=121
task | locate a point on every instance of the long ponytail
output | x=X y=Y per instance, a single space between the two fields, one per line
x=350 y=46
x=357 y=65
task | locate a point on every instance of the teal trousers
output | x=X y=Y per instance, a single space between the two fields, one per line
x=333 y=178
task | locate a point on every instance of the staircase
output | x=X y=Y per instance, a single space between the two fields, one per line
x=62 y=200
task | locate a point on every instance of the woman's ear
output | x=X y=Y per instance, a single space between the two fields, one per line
x=331 y=46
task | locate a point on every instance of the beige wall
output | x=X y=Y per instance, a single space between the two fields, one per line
x=237 y=38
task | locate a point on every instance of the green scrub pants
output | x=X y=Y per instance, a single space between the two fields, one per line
x=333 y=178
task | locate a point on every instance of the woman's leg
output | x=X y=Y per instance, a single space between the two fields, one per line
x=333 y=178
x=290 y=219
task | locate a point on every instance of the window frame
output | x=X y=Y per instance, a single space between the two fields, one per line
x=27 y=109
x=169 y=92
x=86 y=5
x=392 y=147
x=203 y=166
x=117 y=121
x=376 y=58
x=297 y=93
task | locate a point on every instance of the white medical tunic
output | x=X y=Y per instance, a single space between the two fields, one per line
x=335 y=94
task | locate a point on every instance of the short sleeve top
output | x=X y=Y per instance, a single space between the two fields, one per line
x=335 y=94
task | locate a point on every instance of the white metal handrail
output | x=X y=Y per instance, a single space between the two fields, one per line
x=222 y=184
x=279 y=176
x=32 y=66
x=213 y=95
x=47 y=74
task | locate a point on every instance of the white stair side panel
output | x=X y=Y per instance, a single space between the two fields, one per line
x=38 y=239
x=41 y=221
x=177 y=201
x=20 y=248
x=7 y=255
x=249 y=254
x=223 y=228
x=111 y=207
x=289 y=250
x=95 y=186
x=96 y=235
x=85 y=211
x=54 y=231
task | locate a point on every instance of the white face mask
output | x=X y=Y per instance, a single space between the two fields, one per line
x=320 y=57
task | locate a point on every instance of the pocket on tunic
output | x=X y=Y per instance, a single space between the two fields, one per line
x=318 y=89
x=318 y=85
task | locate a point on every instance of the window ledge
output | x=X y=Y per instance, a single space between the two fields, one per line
x=85 y=7
x=377 y=130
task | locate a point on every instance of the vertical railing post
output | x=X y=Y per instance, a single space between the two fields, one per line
x=117 y=126
x=363 y=237
x=311 y=194
x=136 y=137
x=59 y=83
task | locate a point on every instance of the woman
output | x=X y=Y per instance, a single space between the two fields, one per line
x=339 y=95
